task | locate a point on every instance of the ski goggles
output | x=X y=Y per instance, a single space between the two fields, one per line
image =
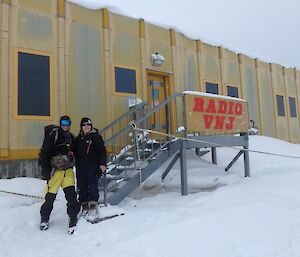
x=86 y=124
x=65 y=122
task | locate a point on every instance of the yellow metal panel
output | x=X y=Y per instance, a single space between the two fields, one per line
x=44 y=6
x=85 y=73
x=125 y=47
x=277 y=79
x=185 y=61
x=105 y=18
x=84 y=15
x=157 y=40
x=156 y=33
x=211 y=64
x=19 y=154
x=124 y=24
x=198 y=45
x=291 y=91
x=266 y=98
x=153 y=46
x=172 y=37
x=5 y=18
x=61 y=8
x=4 y=81
x=142 y=27
x=4 y=153
x=250 y=88
x=279 y=89
x=230 y=71
x=29 y=35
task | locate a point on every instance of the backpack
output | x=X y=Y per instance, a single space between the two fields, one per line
x=48 y=131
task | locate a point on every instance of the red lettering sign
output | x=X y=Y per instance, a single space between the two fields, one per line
x=218 y=114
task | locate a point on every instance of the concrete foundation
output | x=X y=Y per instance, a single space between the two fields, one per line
x=19 y=168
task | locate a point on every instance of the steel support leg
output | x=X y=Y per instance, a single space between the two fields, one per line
x=214 y=155
x=234 y=160
x=246 y=162
x=183 y=169
x=166 y=172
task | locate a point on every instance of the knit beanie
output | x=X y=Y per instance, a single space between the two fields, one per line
x=85 y=121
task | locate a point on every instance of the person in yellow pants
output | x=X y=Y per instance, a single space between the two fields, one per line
x=56 y=156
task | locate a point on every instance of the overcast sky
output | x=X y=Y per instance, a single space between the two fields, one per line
x=264 y=29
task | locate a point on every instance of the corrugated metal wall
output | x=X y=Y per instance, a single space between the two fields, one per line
x=86 y=45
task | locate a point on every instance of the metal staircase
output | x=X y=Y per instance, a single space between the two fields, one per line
x=135 y=155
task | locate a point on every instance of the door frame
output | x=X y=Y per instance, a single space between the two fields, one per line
x=168 y=78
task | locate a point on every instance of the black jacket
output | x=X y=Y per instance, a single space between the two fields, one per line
x=58 y=142
x=89 y=149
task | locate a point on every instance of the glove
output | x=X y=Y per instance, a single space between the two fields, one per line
x=46 y=173
x=102 y=170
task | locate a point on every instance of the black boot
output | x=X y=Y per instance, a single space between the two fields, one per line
x=72 y=225
x=84 y=209
x=44 y=225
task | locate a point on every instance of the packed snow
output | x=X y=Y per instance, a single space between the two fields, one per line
x=224 y=215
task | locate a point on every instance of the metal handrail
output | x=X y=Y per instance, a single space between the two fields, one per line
x=137 y=107
x=128 y=142
x=156 y=108
x=140 y=120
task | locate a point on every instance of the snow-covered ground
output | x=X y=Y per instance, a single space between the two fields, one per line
x=227 y=215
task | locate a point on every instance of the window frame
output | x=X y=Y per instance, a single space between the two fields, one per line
x=114 y=80
x=295 y=106
x=16 y=115
x=231 y=86
x=212 y=82
x=279 y=113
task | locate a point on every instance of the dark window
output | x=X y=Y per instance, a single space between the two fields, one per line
x=232 y=91
x=125 y=80
x=280 y=105
x=292 y=104
x=212 y=88
x=33 y=84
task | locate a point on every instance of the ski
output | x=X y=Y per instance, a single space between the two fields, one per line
x=100 y=219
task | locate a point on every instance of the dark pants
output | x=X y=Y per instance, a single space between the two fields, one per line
x=64 y=179
x=87 y=182
x=73 y=207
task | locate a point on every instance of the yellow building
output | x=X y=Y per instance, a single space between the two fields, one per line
x=60 y=58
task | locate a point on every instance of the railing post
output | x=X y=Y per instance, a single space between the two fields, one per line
x=183 y=169
x=214 y=155
x=184 y=121
x=183 y=166
x=246 y=156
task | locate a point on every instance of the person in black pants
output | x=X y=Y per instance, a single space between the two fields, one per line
x=90 y=155
x=56 y=158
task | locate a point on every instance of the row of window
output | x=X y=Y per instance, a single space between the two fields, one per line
x=34 y=89
x=233 y=91
x=213 y=88
x=34 y=86
x=281 y=109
